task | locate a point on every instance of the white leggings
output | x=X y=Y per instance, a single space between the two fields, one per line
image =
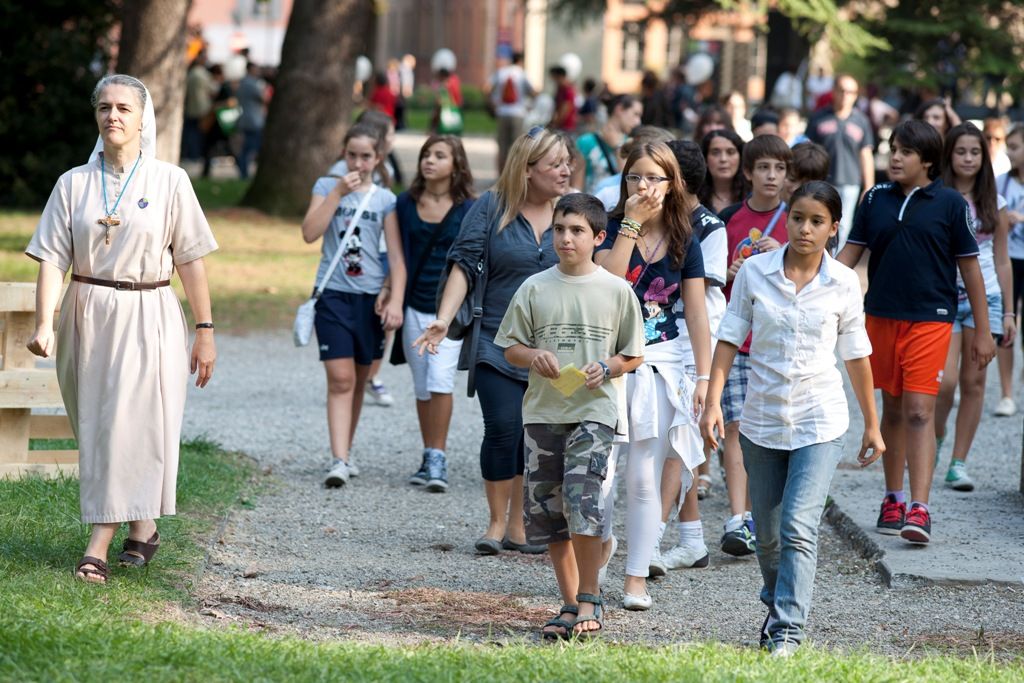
x=643 y=485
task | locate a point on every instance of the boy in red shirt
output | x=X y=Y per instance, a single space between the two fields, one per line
x=753 y=226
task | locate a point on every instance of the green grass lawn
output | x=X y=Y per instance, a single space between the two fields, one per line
x=474 y=121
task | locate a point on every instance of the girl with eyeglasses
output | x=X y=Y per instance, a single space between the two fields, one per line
x=650 y=243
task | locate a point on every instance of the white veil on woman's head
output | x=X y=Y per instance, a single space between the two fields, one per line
x=148 y=137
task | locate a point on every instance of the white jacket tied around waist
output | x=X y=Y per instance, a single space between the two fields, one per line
x=684 y=433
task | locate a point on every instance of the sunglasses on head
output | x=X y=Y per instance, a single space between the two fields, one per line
x=535 y=131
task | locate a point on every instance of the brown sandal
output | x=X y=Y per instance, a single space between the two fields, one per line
x=139 y=553
x=98 y=568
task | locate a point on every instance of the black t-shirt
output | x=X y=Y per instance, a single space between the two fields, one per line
x=915 y=241
x=843 y=139
x=658 y=285
x=416 y=235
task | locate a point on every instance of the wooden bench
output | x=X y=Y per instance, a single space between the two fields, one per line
x=24 y=387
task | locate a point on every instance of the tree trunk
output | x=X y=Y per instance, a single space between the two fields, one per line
x=152 y=48
x=312 y=101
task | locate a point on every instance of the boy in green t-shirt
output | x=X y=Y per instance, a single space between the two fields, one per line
x=576 y=326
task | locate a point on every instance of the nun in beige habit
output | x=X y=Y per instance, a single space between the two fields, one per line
x=122 y=224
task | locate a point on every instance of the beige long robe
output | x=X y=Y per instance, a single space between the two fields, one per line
x=122 y=356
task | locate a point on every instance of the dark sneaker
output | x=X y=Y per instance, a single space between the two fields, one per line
x=422 y=476
x=739 y=542
x=437 y=471
x=918 y=526
x=891 y=516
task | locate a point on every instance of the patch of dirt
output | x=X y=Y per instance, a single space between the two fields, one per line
x=447 y=609
x=966 y=642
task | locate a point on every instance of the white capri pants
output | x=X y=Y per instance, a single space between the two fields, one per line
x=431 y=373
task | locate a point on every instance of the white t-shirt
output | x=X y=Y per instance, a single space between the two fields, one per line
x=1012 y=191
x=361 y=268
x=340 y=169
x=986 y=256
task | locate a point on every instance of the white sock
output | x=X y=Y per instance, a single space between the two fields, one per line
x=691 y=534
x=747 y=515
x=734 y=523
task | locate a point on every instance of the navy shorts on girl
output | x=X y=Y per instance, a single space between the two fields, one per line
x=347 y=327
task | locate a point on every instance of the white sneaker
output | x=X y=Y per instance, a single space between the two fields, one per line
x=379 y=393
x=353 y=468
x=684 y=557
x=1006 y=407
x=784 y=650
x=637 y=603
x=657 y=566
x=338 y=476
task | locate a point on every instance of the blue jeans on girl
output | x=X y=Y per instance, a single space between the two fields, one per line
x=788 y=491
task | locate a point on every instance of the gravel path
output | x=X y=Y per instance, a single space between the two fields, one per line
x=380 y=561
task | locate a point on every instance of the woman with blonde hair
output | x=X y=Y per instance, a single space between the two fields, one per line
x=504 y=239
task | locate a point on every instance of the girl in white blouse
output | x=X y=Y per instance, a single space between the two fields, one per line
x=802 y=306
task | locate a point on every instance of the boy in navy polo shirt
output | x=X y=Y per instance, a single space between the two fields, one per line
x=918 y=232
x=753 y=226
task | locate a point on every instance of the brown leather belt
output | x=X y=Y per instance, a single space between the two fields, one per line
x=116 y=284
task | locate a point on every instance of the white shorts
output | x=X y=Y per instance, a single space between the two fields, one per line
x=431 y=373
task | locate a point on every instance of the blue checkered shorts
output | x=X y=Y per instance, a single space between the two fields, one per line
x=735 y=391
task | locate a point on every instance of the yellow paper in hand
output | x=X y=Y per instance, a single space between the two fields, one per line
x=569 y=380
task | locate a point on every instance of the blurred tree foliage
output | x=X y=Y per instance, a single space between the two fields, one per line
x=813 y=18
x=52 y=52
x=947 y=43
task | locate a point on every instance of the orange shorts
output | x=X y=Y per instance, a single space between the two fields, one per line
x=908 y=355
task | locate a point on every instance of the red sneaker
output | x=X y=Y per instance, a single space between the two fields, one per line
x=918 y=527
x=891 y=517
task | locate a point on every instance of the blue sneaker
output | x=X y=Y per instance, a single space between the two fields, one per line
x=437 y=471
x=421 y=477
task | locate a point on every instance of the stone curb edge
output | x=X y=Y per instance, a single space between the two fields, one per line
x=859 y=539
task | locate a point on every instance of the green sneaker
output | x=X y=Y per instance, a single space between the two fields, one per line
x=956 y=477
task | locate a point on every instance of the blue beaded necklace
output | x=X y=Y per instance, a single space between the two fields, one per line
x=111 y=219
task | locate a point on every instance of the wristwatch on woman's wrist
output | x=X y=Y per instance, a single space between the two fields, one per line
x=204 y=326
x=607 y=370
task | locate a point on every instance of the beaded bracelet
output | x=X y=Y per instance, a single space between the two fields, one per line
x=630 y=234
x=630 y=224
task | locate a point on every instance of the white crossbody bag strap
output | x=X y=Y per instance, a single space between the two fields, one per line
x=344 y=240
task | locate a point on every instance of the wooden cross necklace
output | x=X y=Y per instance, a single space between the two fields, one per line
x=111 y=219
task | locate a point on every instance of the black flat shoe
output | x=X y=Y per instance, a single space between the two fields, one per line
x=487 y=546
x=525 y=548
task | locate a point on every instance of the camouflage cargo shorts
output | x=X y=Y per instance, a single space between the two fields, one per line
x=566 y=465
